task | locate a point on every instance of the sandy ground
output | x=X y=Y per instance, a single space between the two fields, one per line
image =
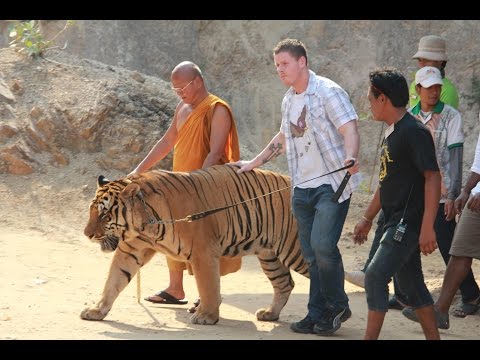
x=49 y=272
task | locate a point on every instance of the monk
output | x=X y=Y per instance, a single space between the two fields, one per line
x=203 y=133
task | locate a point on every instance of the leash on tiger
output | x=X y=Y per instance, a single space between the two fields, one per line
x=201 y=215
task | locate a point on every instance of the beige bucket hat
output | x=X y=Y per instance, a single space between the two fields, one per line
x=431 y=47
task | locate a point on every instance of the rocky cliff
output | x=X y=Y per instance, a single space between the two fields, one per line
x=237 y=61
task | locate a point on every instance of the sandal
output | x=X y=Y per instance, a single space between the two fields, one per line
x=165 y=298
x=467 y=309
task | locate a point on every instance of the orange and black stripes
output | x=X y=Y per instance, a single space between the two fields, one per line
x=264 y=226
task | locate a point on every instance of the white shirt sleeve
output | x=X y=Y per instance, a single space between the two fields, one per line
x=455 y=131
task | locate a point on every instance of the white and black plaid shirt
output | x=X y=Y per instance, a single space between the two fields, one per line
x=328 y=108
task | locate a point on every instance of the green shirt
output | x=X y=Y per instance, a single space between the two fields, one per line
x=449 y=94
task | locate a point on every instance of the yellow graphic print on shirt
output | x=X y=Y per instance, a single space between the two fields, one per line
x=384 y=158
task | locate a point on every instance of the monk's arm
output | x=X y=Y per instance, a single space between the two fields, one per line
x=221 y=123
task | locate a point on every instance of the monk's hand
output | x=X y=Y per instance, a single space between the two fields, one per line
x=360 y=233
x=427 y=241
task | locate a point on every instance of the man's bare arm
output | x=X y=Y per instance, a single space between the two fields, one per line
x=474 y=201
x=274 y=149
x=364 y=225
x=428 y=239
x=350 y=134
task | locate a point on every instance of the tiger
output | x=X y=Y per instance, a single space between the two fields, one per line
x=140 y=215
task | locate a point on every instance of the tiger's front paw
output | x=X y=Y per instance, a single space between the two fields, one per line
x=266 y=315
x=203 y=318
x=92 y=314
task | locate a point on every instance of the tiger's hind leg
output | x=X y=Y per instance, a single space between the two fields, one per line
x=123 y=268
x=282 y=282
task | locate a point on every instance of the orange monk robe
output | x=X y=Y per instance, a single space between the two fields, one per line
x=191 y=150
x=193 y=139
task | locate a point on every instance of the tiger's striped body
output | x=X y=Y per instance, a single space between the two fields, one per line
x=122 y=213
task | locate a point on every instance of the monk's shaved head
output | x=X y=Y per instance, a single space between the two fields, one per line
x=187 y=70
x=187 y=82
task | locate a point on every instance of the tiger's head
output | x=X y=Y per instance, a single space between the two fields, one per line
x=106 y=224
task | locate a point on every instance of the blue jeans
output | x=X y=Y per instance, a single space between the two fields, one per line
x=320 y=223
x=444 y=230
x=401 y=259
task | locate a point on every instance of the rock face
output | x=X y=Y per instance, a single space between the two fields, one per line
x=236 y=58
x=71 y=106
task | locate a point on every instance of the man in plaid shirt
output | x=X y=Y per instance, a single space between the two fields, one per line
x=319 y=135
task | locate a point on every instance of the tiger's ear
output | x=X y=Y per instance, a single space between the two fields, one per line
x=102 y=180
x=130 y=191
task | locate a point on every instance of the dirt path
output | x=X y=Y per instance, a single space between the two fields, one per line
x=46 y=282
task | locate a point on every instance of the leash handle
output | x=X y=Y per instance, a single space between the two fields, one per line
x=343 y=184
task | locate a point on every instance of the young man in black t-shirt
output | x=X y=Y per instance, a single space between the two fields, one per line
x=408 y=194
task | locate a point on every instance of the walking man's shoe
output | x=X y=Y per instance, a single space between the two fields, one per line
x=443 y=321
x=304 y=326
x=330 y=322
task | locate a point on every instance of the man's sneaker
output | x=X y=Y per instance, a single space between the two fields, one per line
x=346 y=315
x=304 y=326
x=443 y=321
x=356 y=278
x=330 y=322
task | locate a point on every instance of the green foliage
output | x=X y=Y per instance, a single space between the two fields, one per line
x=28 y=38
x=26 y=35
